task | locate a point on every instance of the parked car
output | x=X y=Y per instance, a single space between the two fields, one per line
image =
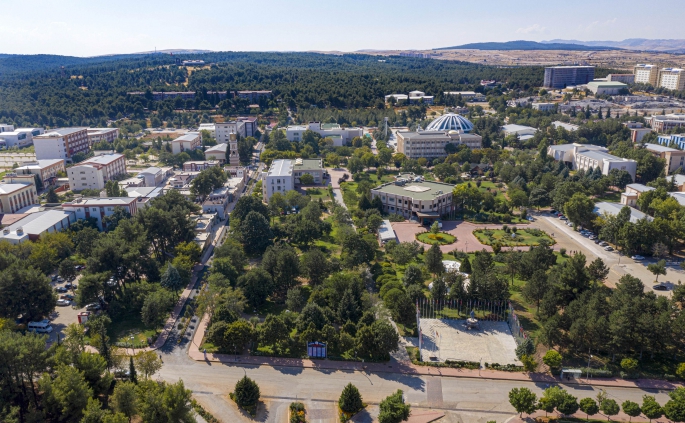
x=552 y=212
x=660 y=287
x=70 y=286
x=61 y=289
x=67 y=297
x=608 y=248
x=603 y=244
x=93 y=307
x=563 y=217
x=598 y=241
x=592 y=237
x=637 y=257
x=62 y=302
x=569 y=224
x=531 y=219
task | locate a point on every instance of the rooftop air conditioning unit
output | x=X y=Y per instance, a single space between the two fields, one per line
x=6 y=231
x=20 y=231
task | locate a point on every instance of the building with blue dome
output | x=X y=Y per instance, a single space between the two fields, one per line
x=449 y=128
x=451 y=122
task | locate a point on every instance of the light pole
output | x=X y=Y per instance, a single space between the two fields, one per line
x=588 y=367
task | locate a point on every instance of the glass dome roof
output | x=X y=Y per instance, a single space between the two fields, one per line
x=450 y=122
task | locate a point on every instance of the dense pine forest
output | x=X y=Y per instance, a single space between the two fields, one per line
x=36 y=90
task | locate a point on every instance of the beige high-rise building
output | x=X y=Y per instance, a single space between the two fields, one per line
x=646 y=74
x=672 y=78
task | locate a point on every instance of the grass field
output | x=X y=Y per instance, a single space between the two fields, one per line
x=132 y=332
x=498 y=236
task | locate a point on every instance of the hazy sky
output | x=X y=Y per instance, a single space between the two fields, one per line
x=94 y=27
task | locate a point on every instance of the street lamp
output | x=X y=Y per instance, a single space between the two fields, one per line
x=588 y=367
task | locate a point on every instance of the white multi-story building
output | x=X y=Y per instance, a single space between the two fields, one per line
x=672 y=79
x=646 y=74
x=284 y=174
x=187 y=142
x=465 y=95
x=340 y=136
x=46 y=169
x=5 y=127
x=96 y=171
x=413 y=97
x=228 y=133
x=664 y=123
x=152 y=176
x=33 y=225
x=99 y=208
x=413 y=197
x=209 y=127
x=589 y=157
x=544 y=107
x=217 y=152
x=61 y=143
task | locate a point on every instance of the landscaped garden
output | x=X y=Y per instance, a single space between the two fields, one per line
x=512 y=237
x=440 y=238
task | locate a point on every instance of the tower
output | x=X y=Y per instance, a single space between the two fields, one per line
x=234 y=158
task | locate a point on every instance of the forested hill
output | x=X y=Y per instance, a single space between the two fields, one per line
x=91 y=93
x=527 y=45
x=12 y=64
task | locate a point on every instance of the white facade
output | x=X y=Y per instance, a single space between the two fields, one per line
x=210 y=127
x=95 y=172
x=544 y=107
x=47 y=169
x=279 y=178
x=646 y=74
x=217 y=152
x=36 y=224
x=21 y=137
x=189 y=141
x=606 y=87
x=671 y=79
x=520 y=130
x=340 y=136
x=152 y=176
x=61 y=143
x=99 y=208
x=228 y=133
x=5 y=127
x=589 y=157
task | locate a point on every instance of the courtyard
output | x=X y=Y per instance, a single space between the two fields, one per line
x=450 y=340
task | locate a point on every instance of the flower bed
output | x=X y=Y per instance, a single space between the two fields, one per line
x=297 y=413
x=441 y=238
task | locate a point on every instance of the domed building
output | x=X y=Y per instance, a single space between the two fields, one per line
x=451 y=122
x=449 y=128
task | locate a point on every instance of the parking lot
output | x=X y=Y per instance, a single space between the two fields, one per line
x=63 y=314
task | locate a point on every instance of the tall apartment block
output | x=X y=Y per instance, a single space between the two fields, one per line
x=646 y=74
x=564 y=76
x=672 y=79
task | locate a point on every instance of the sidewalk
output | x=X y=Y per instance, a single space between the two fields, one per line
x=407 y=368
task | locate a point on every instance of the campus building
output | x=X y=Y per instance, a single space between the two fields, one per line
x=61 y=143
x=465 y=95
x=20 y=137
x=96 y=171
x=228 y=133
x=47 y=170
x=632 y=193
x=626 y=78
x=606 y=87
x=217 y=152
x=340 y=136
x=102 y=134
x=664 y=123
x=152 y=176
x=414 y=198
x=673 y=139
x=637 y=130
x=544 y=107
x=254 y=96
x=414 y=97
x=284 y=174
x=99 y=208
x=672 y=79
x=32 y=226
x=565 y=76
x=646 y=74
x=674 y=158
x=16 y=196
x=589 y=157
x=199 y=165
x=449 y=128
x=187 y=142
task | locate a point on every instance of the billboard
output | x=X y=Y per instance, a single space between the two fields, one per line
x=316 y=349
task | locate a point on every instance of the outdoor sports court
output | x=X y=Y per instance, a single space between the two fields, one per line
x=450 y=340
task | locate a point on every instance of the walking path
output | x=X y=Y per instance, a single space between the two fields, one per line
x=406 y=368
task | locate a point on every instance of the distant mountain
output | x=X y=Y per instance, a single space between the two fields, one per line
x=666 y=46
x=526 y=45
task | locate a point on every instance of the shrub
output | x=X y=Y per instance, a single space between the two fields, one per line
x=553 y=359
x=629 y=365
x=680 y=372
x=562 y=251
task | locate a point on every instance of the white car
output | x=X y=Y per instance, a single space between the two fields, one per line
x=62 y=303
x=637 y=257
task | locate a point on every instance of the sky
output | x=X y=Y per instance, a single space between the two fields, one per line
x=97 y=27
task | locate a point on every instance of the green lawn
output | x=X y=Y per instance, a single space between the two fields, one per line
x=318 y=193
x=442 y=238
x=523 y=237
x=131 y=332
x=610 y=196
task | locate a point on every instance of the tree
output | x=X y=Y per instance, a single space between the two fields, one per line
x=132 y=374
x=171 y=279
x=412 y=275
x=433 y=259
x=315 y=266
x=632 y=409
x=609 y=407
x=51 y=197
x=257 y=284
x=68 y=392
x=658 y=268
x=350 y=400
x=650 y=408
x=393 y=409
x=552 y=359
x=246 y=392
x=148 y=362
x=255 y=233
x=536 y=287
x=568 y=404
x=66 y=269
x=465 y=266
x=674 y=409
x=597 y=270
x=589 y=407
x=25 y=292
x=580 y=209
x=124 y=398
x=156 y=306
x=306 y=179
x=274 y=331
x=523 y=400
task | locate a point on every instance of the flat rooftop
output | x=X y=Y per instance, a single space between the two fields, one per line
x=104 y=159
x=190 y=136
x=661 y=148
x=40 y=164
x=307 y=164
x=60 y=132
x=10 y=188
x=282 y=167
x=600 y=155
x=612 y=209
x=113 y=201
x=36 y=223
x=426 y=190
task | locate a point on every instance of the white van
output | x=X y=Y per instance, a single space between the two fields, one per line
x=40 y=327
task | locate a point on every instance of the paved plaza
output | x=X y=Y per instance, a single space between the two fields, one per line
x=450 y=340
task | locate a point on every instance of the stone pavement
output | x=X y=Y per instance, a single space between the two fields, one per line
x=406 y=368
